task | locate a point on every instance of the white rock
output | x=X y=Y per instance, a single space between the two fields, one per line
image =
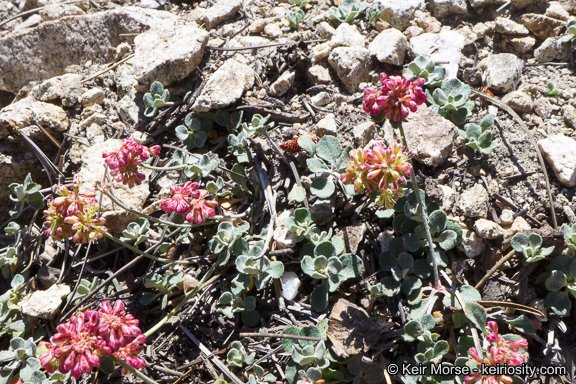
x=364 y=132
x=399 y=12
x=92 y=96
x=502 y=72
x=518 y=101
x=225 y=86
x=352 y=65
x=551 y=49
x=542 y=107
x=221 y=11
x=389 y=47
x=347 y=36
x=560 y=151
x=446 y=8
x=282 y=235
x=273 y=30
x=569 y=114
x=509 y=27
x=30 y=22
x=290 y=284
x=152 y=4
x=66 y=88
x=321 y=99
x=429 y=136
x=523 y=44
x=45 y=304
x=487 y=229
x=283 y=83
x=317 y=74
x=47 y=50
x=448 y=197
x=167 y=62
x=96 y=118
x=320 y=52
x=472 y=244
x=327 y=126
x=58 y=11
x=25 y=113
x=557 y=11
x=474 y=202
x=507 y=217
x=445 y=46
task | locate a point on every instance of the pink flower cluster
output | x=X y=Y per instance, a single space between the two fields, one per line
x=74 y=214
x=123 y=162
x=499 y=352
x=395 y=99
x=188 y=200
x=81 y=343
x=382 y=169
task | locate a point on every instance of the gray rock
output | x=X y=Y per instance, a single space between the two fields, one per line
x=45 y=304
x=446 y=8
x=569 y=114
x=445 y=46
x=96 y=118
x=523 y=44
x=41 y=53
x=389 y=47
x=472 y=244
x=347 y=35
x=364 y=132
x=483 y=3
x=551 y=49
x=502 y=72
x=92 y=171
x=560 y=151
x=317 y=74
x=66 y=88
x=325 y=30
x=507 y=217
x=92 y=96
x=225 y=86
x=542 y=107
x=557 y=11
x=283 y=83
x=321 y=99
x=26 y=113
x=352 y=65
x=273 y=30
x=327 y=126
x=30 y=22
x=167 y=62
x=58 y=11
x=429 y=136
x=474 y=202
x=518 y=101
x=399 y=12
x=487 y=229
x=542 y=26
x=509 y=27
x=282 y=235
x=221 y=11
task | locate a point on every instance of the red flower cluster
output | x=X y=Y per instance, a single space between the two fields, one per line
x=379 y=168
x=74 y=214
x=188 y=200
x=81 y=343
x=501 y=351
x=395 y=99
x=123 y=162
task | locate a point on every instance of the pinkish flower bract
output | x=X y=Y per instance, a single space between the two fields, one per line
x=123 y=162
x=189 y=201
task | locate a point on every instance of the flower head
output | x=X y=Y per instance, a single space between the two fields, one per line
x=116 y=326
x=396 y=99
x=382 y=169
x=189 y=201
x=123 y=162
x=129 y=353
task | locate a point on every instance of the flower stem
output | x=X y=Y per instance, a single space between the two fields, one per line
x=133 y=248
x=133 y=370
x=422 y=212
x=183 y=302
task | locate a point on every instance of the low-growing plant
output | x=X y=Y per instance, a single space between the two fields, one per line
x=309 y=356
x=348 y=11
x=372 y=14
x=365 y=372
x=478 y=136
x=9 y=259
x=451 y=101
x=406 y=274
x=237 y=355
x=569 y=232
x=252 y=262
x=430 y=348
x=84 y=288
x=561 y=283
x=423 y=67
x=551 y=90
x=260 y=376
x=239 y=143
x=194 y=132
x=25 y=193
x=297 y=17
x=300 y=3
x=11 y=319
x=165 y=284
x=570 y=36
x=531 y=247
x=156 y=98
x=235 y=303
x=136 y=232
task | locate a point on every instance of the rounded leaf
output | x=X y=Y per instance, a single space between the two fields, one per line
x=322 y=187
x=325 y=249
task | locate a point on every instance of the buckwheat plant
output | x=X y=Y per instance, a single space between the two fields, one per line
x=73 y=214
x=394 y=101
x=89 y=336
x=123 y=162
x=189 y=201
x=503 y=349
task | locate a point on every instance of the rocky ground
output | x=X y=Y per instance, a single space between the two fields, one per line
x=72 y=81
